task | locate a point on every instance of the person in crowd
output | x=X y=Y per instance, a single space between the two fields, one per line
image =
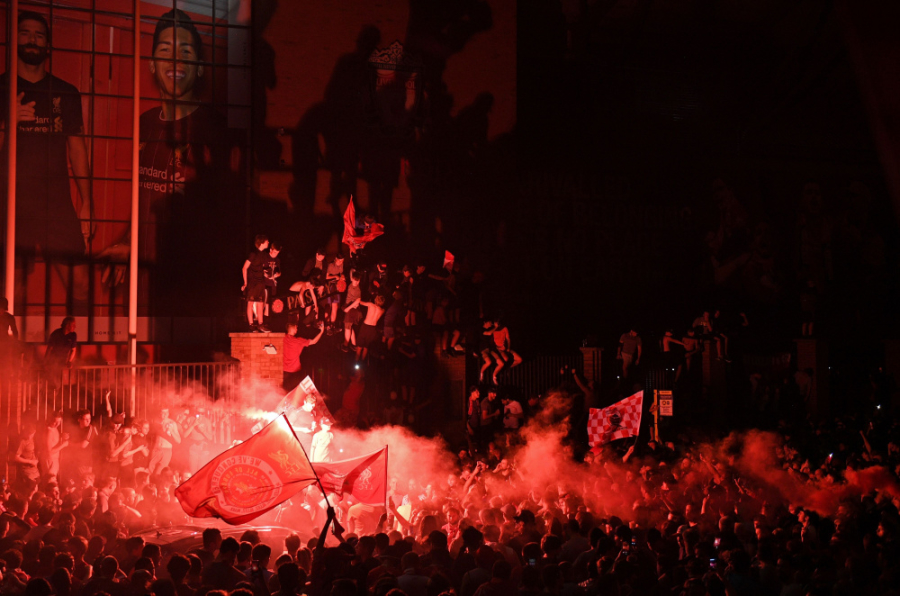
x=368 y=332
x=473 y=420
x=491 y=414
x=352 y=315
x=25 y=457
x=254 y=287
x=61 y=347
x=501 y=350
x=629 y=351
x=294 y=344
x=314 y=263
x=303 y=301
x=271 y=272
x=167 y=436
x=336 y=285
x=77 y=457
x=322 y=449
x=141 y=447
x=305 y=421
x=53 y=442
x=222 y=574
x=393 y=319
x=9 y=333
x=513 y=414
x=199 y=435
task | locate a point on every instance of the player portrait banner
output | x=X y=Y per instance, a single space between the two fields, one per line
x=364 y=478
x=618 y=421
x=249 y=479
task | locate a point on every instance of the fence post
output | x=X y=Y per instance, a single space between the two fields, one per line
x=591 y=357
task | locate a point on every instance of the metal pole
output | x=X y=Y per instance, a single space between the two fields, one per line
x=656 y=415
x=135 y=206
x=11 y=145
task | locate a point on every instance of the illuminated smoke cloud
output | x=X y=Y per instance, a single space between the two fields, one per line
x=544 y=461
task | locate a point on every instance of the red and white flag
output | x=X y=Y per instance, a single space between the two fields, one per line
x=365 y=478
x=618 y=421
x=351 y=238
x=244 y=482
x=297 y=396
x=448 y=260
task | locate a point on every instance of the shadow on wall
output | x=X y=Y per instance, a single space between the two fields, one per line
x=423 y=171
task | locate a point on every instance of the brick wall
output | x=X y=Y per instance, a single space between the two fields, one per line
x=256 y=363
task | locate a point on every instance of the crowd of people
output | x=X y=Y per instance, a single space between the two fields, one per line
x=809 y=510
x=390 y=320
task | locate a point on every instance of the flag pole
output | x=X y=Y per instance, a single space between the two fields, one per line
x=318 y=481
x=387 y=479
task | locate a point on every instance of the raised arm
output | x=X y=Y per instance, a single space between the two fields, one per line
x=318 y=336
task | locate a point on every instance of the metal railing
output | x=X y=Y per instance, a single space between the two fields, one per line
x=536 y=375
x=138 y=390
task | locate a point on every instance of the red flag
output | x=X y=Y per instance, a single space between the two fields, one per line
x=618 y=421
x=351 y=238
x=249 y=479
x=363 y=477
x=448 y=260
x=297 y=396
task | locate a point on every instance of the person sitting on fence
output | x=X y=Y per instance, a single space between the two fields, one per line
x=60 y=351
x=498 y=349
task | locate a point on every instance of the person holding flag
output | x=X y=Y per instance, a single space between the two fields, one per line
x=357 y=238
x=269 y=468
x=618 y=421
x=251 y=478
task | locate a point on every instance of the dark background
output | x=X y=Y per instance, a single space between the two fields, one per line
x=636 y=122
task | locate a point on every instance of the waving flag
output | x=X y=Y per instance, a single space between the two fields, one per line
x=251 y=478
x=448 y=260
x=365 y=478
x=357 y=241
x=618 y=421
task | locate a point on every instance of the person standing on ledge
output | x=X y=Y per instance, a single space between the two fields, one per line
x=629 y=353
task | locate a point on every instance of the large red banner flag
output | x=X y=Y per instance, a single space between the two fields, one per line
x=351 y=238
x=243 y=482
x=365 y=477
x=618 y=421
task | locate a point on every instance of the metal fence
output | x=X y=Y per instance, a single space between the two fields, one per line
x=139 y=390
x=536 y=375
